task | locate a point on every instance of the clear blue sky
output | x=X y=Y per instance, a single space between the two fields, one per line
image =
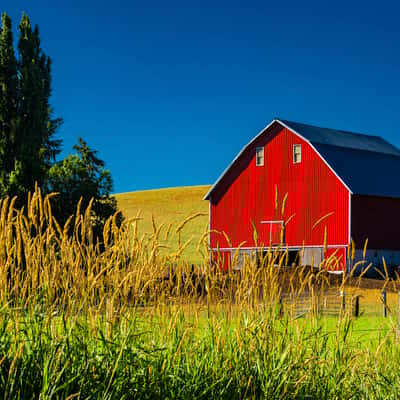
x=170 y=91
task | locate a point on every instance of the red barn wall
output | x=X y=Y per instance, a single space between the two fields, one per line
x=375 y=218
x=247 y=193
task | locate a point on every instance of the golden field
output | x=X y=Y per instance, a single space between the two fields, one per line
x=169 y=208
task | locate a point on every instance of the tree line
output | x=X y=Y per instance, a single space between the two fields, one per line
x=28 y=143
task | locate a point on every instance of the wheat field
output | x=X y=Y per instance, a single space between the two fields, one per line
x=168 y=208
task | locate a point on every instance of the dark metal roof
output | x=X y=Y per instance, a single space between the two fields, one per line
x=364 y=172
x=366 y=164
x=335 y=137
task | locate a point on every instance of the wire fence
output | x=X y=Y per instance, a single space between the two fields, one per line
x=334 y=302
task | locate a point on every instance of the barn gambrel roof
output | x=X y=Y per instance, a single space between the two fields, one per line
x=366 y=164
x=334 y=137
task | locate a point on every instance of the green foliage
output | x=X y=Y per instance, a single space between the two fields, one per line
x=28 y=147
x=36 y=127
x=27 y=129
x=8 y=109
x=82 y=177
x=53 y=356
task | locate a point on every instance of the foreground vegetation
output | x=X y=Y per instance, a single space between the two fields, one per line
x=135 y=322
x=173 y=356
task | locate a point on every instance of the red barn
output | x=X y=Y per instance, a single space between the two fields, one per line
x=311 y=190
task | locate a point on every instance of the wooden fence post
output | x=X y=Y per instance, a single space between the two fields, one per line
x=357 y=306
x=280 y=305
x=343 y=296
x=312 y=300
x=383 y=295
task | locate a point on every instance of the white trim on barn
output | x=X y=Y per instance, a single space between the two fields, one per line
x=309 y=255
x=239 y=154
x=209 y=228
x=271 y=222
x=329 y=246
x=348 y=261
x=349 y=217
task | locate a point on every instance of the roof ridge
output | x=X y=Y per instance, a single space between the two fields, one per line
x=331 y=129
x=341 y=138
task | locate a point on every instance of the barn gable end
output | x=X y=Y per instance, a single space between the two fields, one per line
x=279 y=193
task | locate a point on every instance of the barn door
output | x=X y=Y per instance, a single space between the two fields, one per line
x=275 y=232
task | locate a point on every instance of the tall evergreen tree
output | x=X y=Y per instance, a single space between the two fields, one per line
x=36 y=127
x=28 y=148
x=8 y=109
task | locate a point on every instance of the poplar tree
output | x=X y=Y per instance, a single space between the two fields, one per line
x=28 y=147
x=36 y=127
x=8 y=110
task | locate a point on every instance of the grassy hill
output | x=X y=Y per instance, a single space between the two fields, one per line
x=169 y=206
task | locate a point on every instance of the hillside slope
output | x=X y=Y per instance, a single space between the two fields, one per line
x=169 y=206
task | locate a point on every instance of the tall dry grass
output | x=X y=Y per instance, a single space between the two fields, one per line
x=126 y=320
x=64 y=266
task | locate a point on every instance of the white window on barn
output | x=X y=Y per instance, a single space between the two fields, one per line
x=297 y=153
x=260 y=156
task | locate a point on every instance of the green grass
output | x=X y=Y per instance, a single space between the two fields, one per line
x=169 y=206
x=170 y=356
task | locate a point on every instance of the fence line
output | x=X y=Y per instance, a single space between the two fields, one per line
x=333 y=303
